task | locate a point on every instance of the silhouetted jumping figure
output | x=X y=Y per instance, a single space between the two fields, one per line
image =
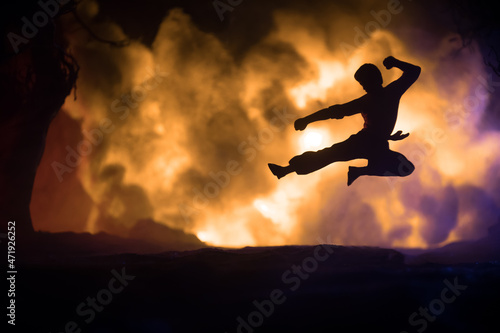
x=379 y=108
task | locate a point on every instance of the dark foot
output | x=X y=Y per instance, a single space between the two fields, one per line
x=278 y=170
x=352 y=175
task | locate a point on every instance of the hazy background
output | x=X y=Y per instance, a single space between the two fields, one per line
x=192 y=93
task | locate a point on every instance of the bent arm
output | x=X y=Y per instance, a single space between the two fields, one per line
x=410 y=73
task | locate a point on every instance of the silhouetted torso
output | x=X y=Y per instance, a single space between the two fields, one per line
x=380 y=108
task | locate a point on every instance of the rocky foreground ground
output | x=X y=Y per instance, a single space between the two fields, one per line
x=98 y=283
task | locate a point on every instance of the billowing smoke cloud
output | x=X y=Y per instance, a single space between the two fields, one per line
x=182 y=130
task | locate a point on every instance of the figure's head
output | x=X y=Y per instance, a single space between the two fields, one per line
x=369 y=76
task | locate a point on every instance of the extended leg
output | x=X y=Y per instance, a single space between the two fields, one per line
x=314 y=160
x=280 y=171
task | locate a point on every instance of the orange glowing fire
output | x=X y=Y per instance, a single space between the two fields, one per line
x=212 y=100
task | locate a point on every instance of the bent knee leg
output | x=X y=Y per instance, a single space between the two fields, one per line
x=405 y=167
x=396 y=164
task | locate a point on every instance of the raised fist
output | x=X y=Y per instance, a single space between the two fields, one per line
x=389 y=62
